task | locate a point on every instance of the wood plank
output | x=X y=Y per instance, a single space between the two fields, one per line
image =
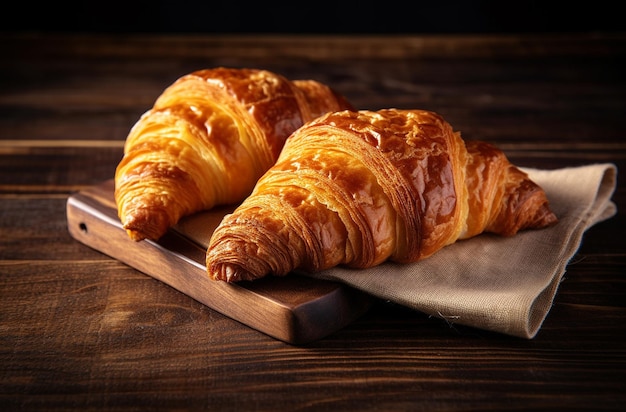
x=294 y=309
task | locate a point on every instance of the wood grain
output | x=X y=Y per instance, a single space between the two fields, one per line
x=295 y=309
x=80 y=330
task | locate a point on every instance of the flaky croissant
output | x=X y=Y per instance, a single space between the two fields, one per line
x=207 y=140
x=360 y=188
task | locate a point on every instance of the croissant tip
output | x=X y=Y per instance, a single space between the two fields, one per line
x=137 y=235
x=544 y=217
x=229 y=273
x=134 y=235
x=143 y=225
x=549 y=220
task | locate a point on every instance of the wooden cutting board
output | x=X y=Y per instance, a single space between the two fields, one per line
x=294 y=309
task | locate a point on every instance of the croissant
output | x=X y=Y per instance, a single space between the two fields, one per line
x=360 y=188
x=206 y=141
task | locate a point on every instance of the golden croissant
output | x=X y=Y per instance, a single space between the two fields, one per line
x=360 y=188
x=206 y=141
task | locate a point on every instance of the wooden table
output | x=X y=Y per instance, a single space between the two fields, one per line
x=80 y=330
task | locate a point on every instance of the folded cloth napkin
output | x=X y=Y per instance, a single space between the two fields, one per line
x=502 y=284
x=490 y=282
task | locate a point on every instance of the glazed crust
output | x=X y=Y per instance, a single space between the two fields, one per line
x=360 y=188
x=206 y=141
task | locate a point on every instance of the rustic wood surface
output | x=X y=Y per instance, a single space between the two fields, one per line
x=80 y=330
x=294 y=309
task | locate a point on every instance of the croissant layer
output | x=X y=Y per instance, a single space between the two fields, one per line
x=360 y=188
x=206 y=141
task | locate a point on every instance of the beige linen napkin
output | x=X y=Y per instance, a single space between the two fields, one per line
x=490 y=282
x=500 y=284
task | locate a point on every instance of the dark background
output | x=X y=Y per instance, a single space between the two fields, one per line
x=321 y=17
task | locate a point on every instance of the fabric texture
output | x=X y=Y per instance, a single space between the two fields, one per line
x=501 y=284
x=495 y=283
